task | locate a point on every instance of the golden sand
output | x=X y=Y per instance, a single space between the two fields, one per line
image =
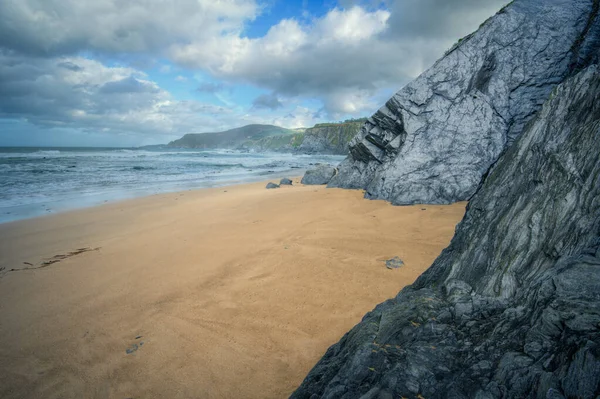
x=231 y=292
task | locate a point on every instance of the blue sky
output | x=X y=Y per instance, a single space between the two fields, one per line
x=108 y=73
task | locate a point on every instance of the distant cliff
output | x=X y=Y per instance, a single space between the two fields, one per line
x=330 y=138
x=323 y=138
x=232 y=138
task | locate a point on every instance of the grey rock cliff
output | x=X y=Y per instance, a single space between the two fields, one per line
x=511 y=309
x=434 y=139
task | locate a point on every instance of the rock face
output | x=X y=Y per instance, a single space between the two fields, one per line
x=330 y=138
x=434 y=139
x=511 y=309
x=322 y=174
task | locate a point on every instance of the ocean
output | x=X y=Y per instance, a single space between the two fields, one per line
x=41 y=181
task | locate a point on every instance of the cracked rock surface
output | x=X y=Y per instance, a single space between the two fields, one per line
x=434 y=140
x=511 y=309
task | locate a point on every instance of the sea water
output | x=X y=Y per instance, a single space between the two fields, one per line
x=39 y=181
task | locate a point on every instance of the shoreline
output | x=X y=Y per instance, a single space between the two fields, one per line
x=34 y=210
x=233 y=291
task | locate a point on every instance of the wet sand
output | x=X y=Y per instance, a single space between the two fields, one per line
x=229 y=292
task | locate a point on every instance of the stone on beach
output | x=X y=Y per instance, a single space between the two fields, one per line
x=322 y=174
x=394 y=263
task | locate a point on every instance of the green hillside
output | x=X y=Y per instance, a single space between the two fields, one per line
x=232 y=138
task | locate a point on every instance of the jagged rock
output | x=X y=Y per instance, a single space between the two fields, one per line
x=434 y=139
x=285 y=182
x=511 y=309
x=272 y=185
x=322 y=174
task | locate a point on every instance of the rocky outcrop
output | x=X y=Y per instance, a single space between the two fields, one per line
x=321 y=174
x=330 y=138
x=511 y=309
x=434 y=139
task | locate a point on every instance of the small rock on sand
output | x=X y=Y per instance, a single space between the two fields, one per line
x=272 y=185
x=285 y=181
x=394 y=263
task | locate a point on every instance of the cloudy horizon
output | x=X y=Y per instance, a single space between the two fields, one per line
x=128 y=73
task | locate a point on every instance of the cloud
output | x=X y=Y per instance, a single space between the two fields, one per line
x=439 y=18
x=269 y=101
x=346 y=56
x=77 y=92
x=60 y=27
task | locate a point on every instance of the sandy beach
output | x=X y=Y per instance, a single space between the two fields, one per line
x=231 y=292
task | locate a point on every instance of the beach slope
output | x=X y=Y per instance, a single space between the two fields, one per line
x=215 y=293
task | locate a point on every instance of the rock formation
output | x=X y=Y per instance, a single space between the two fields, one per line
x=434 y=140
x=511 y=309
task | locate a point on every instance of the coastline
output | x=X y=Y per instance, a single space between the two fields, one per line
x=34 y=211
x=233 y=291
x=40 y=181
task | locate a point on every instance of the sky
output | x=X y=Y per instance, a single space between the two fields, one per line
x=140 y=72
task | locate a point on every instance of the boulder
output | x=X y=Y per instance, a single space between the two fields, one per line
x=285 y=182
x=272 y=185
x=322 y=174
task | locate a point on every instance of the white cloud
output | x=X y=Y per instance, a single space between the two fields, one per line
x=336 y=54
x=116 y=26
x=81 y=93
x=343 y=58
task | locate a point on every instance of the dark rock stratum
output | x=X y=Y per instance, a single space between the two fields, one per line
x=511 y=309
